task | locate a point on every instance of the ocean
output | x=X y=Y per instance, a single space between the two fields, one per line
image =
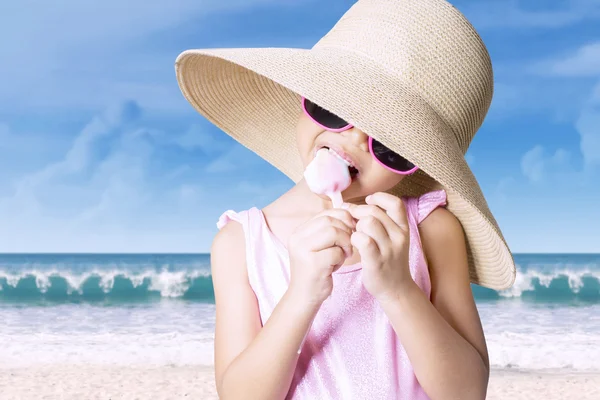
x=159 y=309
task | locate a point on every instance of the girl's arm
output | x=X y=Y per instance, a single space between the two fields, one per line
x=250 y=362
x=443 y=337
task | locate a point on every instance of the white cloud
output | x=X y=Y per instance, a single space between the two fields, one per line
x=532 y=163
x=46 y=28
x=558 y=85
x=83 y=55
x=110 y=191
x=210 y=141
x=80 y=165
x=519 y=94
x=501 y=193
x=80 y=158
x=509 y=14
x=505 y=96
x=536 y=165
x=588 y=126
x=470 y=159
x=39 y=144
x=583 y=62
x=25 y=152
x=237 y=158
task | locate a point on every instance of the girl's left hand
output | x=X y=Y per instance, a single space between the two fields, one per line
x=382 y=238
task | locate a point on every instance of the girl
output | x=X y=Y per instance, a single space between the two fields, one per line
x=373 y=300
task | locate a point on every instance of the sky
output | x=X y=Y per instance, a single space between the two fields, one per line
x=100 y=152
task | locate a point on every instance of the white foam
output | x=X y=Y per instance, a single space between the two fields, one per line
x=539 y=337
x=159 y=335
x=168 y=283
x=576 y=351
x=524 y=280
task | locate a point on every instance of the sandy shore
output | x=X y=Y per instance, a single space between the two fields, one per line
x=522 y=385
x=161 y=383
x=87 y=382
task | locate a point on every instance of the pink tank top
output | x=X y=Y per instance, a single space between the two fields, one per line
x=351 y=351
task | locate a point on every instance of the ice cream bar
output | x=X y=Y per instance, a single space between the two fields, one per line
x=327 y=174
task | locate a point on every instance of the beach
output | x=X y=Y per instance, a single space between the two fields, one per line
x=68 y=382
x=89 y=382
x=142 y=327
x=526 y=385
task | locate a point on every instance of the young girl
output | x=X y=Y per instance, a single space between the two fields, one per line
x=371 y=300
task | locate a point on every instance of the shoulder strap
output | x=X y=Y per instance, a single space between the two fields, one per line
x=428 y=202
x=243 y=219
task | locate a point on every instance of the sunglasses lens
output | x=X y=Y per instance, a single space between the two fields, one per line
x=391 y=159
x=323 y=117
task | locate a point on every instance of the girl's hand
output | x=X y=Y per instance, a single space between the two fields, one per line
x=382 y=239
x=317 y=248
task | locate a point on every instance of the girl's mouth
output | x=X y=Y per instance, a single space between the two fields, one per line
x=351 y=169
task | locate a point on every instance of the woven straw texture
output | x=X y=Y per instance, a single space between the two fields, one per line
x=416 y=65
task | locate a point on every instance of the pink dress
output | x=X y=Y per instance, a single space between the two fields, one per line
x=351 y=350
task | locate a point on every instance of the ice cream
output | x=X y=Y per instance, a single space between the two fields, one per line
x=328 y=174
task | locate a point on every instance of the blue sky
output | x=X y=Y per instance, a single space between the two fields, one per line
x=99 y=151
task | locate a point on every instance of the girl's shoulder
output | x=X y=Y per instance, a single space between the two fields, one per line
x=441 y=233
x=229 y=235
x=228 y=255
x=423 y=206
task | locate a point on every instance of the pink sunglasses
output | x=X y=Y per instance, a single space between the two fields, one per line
x=384 y=156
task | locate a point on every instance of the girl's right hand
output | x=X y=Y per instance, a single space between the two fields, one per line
x=317 y=248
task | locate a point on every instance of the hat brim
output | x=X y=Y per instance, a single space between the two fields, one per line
x=253 y=95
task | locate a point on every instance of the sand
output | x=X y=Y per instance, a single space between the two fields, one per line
x=87 y=382
x=66 y=382
x=523 y=385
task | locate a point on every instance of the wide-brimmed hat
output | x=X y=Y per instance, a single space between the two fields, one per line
x=412 y=74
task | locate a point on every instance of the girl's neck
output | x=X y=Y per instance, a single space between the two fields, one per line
x=295 y=207
x=304 y=200
x=301 y=202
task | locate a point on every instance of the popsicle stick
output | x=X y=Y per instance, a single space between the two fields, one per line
x=336 y=199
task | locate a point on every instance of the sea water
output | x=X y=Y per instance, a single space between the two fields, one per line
x=159 y=309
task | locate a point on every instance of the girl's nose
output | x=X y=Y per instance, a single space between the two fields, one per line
x=358 y=138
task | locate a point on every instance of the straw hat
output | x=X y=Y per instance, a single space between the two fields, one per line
x=413 y=74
